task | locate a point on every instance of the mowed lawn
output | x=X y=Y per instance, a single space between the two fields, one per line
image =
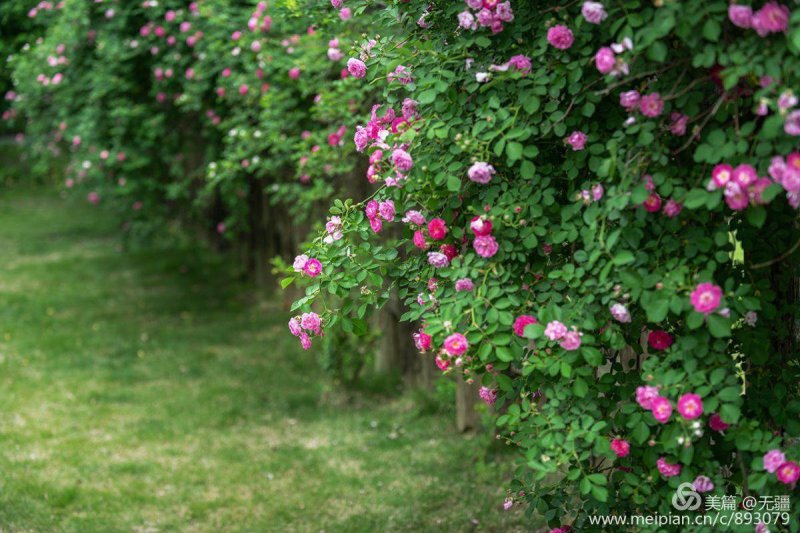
x=151 y=390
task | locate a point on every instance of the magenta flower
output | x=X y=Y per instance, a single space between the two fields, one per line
x=456 y=344
x=571 y=341
x=672 y=208
x=480 y=226
x=481 y=172
x=356 y=67
x=620 y=313
x=678 y=123
x=311 y=322
x=604 y=60
x=771 y=18
x=438 y=259
x=659 y=340
x=788 y=473
x=745 y=175
x=386 y=210
x=593 y=12
x=629 y=100
x=703 y=484
x=645 y=396
x=555 y=330
x=560 y=36
x=690 y=406
x=520 y=323
x=773 y=459
x=437 y=229
x=716 y=423
x=294 y=326
x=661 y=409
x=577 y=140
x=485 y=245
x=705 y=298
x=464 y=285
x=620 y=447
x=520 y=63
x=652 y=203
x=402 y=160
x=792 y=124
x=313 y=268
x=741 y=16
x=736 y=196
x=651 y=105
x=489 y=396
x=666 y=469
x=422 y=341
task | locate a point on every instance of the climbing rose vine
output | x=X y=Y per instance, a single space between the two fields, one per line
x=606 y=196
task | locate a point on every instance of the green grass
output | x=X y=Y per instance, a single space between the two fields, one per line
x=152 y=391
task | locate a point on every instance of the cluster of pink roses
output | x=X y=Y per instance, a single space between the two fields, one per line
x=307 y=265
x=486 y=14
x=302 y=326
x=742 y=185
x=690 y=405
x=787 y=472
x=375 y=133
x=771 y=18
x=653 y=203
x=376 y=211
x=484 y=243
x=44 y=6
x=345 y=13
x=606 y=59
x=568 y=339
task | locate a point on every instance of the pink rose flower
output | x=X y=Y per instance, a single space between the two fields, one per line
x=651 y=105
x=313 y=268
x=736 y=196
x=485 y=245
x=402 y=160
x=720 y=176
x=706 y=297
x=703 y=484
x=438 y=259
x=672 y=208
x=571 y=341
x=666 y=469
x=481 y=172
x=661 y=409
x=740 y=15
x=577 y=140
x=788 y=473
x=419 y=240
x=422 y=341
x=520 y=323
x=605 y=60
x=659 y=340
x=593 y=12
x=311 y=322
x=555 y=330
x=386 y=210
x=652 y=203
x=489 y=396
x=645 y=396
x=560 y=36
x=773 y=459
x=456 y=344
x=629 y=100
x=690 y=406
x=464 y=285
x=480 y=226
x=620 y=313
x=356 y=67
x=771 y=18
x=437 y=229
x=620 y=447
x=716 y=423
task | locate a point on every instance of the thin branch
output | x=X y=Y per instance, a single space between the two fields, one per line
x=696 y=133
x=778 y=259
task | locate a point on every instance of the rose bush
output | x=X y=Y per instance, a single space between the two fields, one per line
x=589 y=208
x=596 y=220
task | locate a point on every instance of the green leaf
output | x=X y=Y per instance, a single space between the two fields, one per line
x=657 y=51
x=657 y=310
x=695 y=199
x=580 y=388
x=712 y=30
x=729 y=394
x=427 y=97
x=623 y=258
x=285 y=282
x=719 y=326
x=514 y=150
x=592 y=355
x=756 y=216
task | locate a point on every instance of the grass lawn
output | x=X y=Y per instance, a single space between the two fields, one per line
x=152 y=391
